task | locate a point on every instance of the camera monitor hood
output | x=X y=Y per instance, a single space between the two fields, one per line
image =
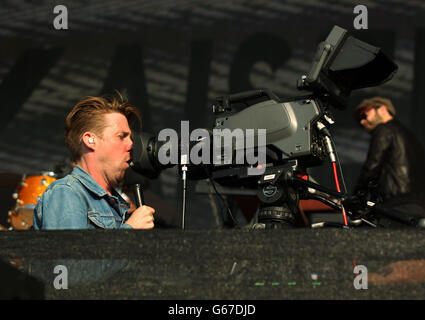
x=343 y=63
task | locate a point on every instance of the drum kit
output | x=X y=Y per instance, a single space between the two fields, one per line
x=28 y=192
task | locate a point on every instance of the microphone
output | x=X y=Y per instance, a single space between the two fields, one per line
x=135 y=181
x=138 y=194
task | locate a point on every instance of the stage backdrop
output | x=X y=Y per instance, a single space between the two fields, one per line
x=173 y=58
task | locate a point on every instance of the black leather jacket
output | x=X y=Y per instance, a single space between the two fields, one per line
x=395 y=165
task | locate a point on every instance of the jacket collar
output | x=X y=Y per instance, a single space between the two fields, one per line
x=88 y=181
x=393 y=120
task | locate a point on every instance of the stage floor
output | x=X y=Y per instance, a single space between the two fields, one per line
x=220 y=264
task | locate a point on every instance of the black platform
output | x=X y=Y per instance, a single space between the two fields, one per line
x=221 y=264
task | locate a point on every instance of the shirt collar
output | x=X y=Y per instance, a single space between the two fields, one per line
x=88 y=181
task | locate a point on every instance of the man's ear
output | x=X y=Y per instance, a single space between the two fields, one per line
x=89 y=140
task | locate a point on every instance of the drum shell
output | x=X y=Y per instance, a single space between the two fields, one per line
x=28 y=193
x=32 y=188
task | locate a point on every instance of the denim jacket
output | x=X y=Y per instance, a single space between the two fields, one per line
x=77 y=201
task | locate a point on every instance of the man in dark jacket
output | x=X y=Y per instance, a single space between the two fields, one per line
x=394 y=171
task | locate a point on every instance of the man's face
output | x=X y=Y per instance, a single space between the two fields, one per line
x=114 y=146
x=370 y=118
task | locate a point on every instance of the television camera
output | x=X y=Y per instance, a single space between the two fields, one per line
x=297 y=134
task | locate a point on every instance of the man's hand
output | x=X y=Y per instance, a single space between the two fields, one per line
x=142 y=218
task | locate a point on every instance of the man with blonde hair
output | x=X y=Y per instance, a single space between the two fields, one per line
x=98 y=135
x=394 y=171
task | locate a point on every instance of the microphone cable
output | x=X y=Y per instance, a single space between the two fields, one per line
x=221 y=198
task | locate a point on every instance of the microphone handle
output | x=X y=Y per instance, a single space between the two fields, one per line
x=138 y=194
